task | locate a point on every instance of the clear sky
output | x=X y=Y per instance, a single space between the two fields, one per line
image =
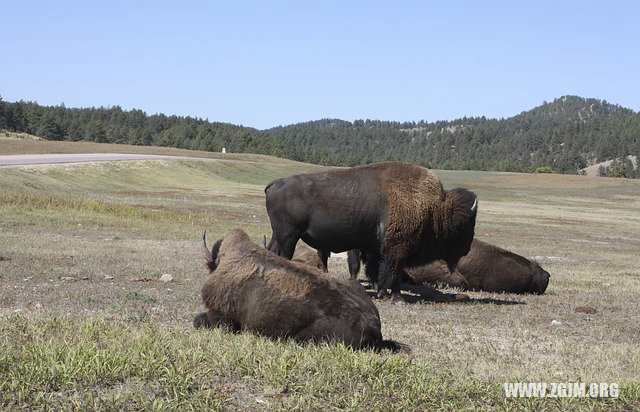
x=269 y=63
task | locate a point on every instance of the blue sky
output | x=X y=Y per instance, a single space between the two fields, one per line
x=263 y=64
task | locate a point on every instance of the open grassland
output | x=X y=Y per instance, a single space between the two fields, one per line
x=85 y=322
x=12 y=143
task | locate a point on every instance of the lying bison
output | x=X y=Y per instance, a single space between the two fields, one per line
x=252 y=289
x=436 y=272
x=485 y=267
x=397 y=212
x=493 y=269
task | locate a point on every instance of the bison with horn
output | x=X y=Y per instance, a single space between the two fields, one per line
x=250 y=288
x=397 y=213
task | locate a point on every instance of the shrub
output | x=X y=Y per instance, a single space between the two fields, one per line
x=544 y=169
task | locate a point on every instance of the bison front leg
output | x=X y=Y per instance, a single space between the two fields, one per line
x=390 y=277
x=324 y=258
x=283 y=245
x=353 y=258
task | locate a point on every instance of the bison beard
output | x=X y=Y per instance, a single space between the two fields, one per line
x=396 y=212
x=250 y=288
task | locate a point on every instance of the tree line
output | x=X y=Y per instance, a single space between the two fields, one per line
x=564 y=135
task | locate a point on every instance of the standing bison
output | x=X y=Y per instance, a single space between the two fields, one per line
x=250 y=288
x=396 y=212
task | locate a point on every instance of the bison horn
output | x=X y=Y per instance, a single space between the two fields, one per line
x=475 y=205
x=206 y=253
x=264 y=241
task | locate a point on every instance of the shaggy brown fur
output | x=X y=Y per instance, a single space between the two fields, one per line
x=396 y=212
x=414 y=207
x=493 y=269
x=252 y=289
x=489 y=268
x=305 y=254
x=436 y=273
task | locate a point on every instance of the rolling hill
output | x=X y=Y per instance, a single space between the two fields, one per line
x=567 y=135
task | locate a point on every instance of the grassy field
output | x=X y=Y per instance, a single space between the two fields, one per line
x=86 y=324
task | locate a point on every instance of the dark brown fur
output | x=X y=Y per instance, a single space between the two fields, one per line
x=398 y=213
x=436 y=273
x=305 y=254
x=252 y=289
x=493 y=269
x=489 y=268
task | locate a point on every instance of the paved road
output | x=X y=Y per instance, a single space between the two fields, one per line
x=32 y=159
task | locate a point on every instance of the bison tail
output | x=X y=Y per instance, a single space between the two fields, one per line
x=393 y=346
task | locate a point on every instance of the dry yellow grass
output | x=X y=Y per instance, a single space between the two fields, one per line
x=90 y=241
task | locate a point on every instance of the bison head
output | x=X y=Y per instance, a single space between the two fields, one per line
x=210 y=256
x=539 y=280
x=461 y=207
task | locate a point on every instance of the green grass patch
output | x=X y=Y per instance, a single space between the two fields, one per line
x=63 y=362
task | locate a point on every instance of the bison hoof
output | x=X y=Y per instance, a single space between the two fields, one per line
x=398 y=299
x=382 y=294
x=461 y=297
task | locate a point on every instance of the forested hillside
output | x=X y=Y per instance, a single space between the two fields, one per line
x=564 y=135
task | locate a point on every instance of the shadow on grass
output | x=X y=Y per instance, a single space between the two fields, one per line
x=424 y=293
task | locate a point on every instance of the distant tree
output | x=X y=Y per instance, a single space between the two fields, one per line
x=49 y=127
x=95 y=132
x=602 y=171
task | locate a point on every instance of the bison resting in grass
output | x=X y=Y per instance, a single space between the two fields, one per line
x=485 y=267
x=250 y=288
x=398 y=213
x=436 y=272
x=493 y=269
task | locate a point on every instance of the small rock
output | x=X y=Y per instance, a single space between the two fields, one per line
x=85 y=278
x=586 y=309
x=166 y=278
x=34 y=305
x=108 y=277
x=556 y=322
x=67 y=278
